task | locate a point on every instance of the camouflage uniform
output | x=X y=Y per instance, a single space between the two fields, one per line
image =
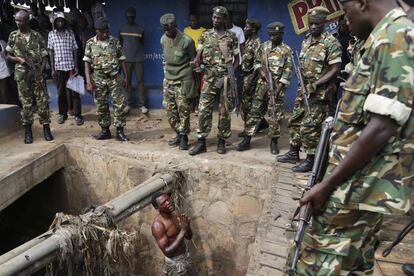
x=32 y=50
x=249 y=66
x=212 y=82
x=343 y=238
x=179 y=83
x=105 y=58
x=280 y=64
x=316 y=57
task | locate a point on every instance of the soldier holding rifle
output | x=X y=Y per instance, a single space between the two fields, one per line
x=320 y=62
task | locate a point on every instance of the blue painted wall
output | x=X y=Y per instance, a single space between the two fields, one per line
x=149 y=12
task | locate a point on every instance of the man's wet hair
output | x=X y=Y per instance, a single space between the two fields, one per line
x=154 y=198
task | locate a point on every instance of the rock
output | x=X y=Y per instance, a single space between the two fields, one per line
x=247 y=207
x=218 y=212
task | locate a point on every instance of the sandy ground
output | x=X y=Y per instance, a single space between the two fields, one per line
x=147 y=132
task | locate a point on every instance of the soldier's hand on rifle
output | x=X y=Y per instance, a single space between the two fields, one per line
x=314 y=86
x=317 y=196
x=89 y=87
x=196 y=61
x=21 y=60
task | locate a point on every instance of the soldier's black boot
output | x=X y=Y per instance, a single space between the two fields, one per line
x=273 y=146
x=221 y=146
x=120 y=135
x=263 y=125
x=292 y=156
x=242 y=134
x=175 y=141
x=105 y=134
x=47 y=133
x=184 y=142
x=306 y=165
x=244 y=144
x=408 y=269
x=28 y=135
x=199 y=148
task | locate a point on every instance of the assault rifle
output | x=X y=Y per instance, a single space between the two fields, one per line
x=232 y=77
x=270 y=86
x=33 y=68
x=305 y=212
x=301 y=82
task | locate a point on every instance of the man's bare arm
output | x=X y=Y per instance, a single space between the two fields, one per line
x=373 y=139
x=89 y=85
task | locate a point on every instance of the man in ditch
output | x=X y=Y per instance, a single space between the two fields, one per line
x=170 y=230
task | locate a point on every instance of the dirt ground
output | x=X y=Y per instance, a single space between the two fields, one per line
x=148 y=132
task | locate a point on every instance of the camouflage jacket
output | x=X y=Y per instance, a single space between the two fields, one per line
x=381 y=83
x=280 y=61
x=104 y=56
x=250 y=54
x=212 y=55
x=316 y=57
x=33 y=49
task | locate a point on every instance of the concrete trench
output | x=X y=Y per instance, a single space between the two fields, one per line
x=224 y=200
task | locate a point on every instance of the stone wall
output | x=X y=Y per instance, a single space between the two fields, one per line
x=224 y=201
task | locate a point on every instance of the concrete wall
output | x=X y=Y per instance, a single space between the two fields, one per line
x=224 y=203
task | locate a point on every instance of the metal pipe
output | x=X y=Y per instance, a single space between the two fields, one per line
x=34 y=255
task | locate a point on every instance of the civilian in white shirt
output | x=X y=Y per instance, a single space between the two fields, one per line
x=4 y=73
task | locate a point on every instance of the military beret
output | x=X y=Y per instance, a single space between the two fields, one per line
x=130 y=11
x=255 y=23
x=167 y=19
x=101 y=24
x=275 y=27
x=221 y=11
x=318 y=12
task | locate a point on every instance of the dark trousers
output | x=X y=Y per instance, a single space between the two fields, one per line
x=138 y=67
x=8 y=91
x=64 y=95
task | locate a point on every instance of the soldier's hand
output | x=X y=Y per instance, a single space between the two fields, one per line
x=89 y=86
x=184 y=222
x=315 y=86
x=317 y=196
x=54 y=76
x=125 y=82
x=21 y=60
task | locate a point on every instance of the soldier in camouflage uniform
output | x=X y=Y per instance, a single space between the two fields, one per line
x=103 y=54
x=279 y=63
x=179 y=82
x=371 y=164
x=320 y=62
x=250 y=72
x=27 y=49
x=216 y=81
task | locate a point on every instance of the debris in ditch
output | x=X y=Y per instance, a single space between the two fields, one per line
x=91 y=244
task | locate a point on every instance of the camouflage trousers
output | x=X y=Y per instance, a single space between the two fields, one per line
x=249 y=88
x=177 y=106
x=341 y=242
x=211 y=90
x=305 y=129
x=29 y=92
x=105 y=86
x=260 y=105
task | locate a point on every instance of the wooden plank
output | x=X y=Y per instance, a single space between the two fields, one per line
x=388 y=269
x=272 y=261
x=274 y=249
x=401 y=254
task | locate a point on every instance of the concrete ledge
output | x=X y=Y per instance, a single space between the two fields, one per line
x=9 y=119
x=22 y=180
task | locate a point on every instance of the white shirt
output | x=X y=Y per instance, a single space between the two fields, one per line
x=4 y=69
x=240 y=37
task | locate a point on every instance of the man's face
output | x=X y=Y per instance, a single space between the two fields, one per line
x=343 y=26
x=275 y=37
x=22 y=20
x=130 y=19
x=60 y=24
x=218 y=21
x=194 y=24
x=165 y=204
x=170 y=30
x=248 y=30
x=357 y=19
x=102 y=34
x=316 y=26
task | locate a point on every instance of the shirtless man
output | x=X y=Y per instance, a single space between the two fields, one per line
x=170 y=229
